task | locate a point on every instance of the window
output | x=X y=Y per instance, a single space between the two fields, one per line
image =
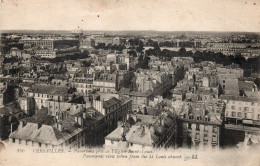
x=239 y=114
x=197 y=136
x=233 y=107
x=189 y=125
x=252 y=109
x=233 y=114
x=224 y=81
x=205 y=128
x=205 y=144
x=224 y=86
x=215 y=129
x=245 y=115
x=214 y=138
x=197 y=127
x=112 y=142
x=13 y=140
x=245 y=108
x=205 y=137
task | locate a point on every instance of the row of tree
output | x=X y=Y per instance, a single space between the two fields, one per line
x=249 y=66
x=110 y=47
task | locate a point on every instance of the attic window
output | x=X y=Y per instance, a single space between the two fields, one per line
x=206 y=118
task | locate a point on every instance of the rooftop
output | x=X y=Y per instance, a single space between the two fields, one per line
x=47 y=134
x=48 y=89
x=239 y=98
x=111 y=102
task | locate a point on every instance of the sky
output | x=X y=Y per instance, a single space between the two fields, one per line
x=159 y=15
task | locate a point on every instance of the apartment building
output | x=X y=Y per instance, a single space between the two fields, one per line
x=242 y=110
x=114 y=110
x=45 y=131
x=42 y=92
x=200 y=125
x=145 y=132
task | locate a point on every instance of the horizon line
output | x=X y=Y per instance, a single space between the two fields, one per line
x=130 y=30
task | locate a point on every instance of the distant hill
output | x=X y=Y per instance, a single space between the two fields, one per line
x=130 y=33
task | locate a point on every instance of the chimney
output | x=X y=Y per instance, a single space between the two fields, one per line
x=11 y=127
x=143 y=131
x=80 y=121
x=59 y=126
x=22 y=124
x=84 y=115
x=123 y=138
x=145 y=111
x=162 y=121
x=55 y=119
x=127 y=116
x=39 y=125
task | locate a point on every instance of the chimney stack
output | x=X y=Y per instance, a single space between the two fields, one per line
x=143 y=131
x=80 y=121
x=22 y=124
x=59 y=126
x=84 y=115
x=39 y=125
x=162 y=121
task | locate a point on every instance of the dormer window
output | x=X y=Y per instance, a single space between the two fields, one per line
x=191 y=117
x=206 y=118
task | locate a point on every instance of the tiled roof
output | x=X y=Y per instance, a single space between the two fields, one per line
x=135 y=93
x=200 y=109
x=141 y=135
x=144 y=131
x=111 y=102
x=47 y=134
x=10 y=109
x=240 y=98
x=49 y=89
x=41 y=118
x=78 y=100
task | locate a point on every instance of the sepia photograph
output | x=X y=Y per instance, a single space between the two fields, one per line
x=130 y=82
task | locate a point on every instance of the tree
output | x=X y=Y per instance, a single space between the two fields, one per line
x=157 y=49
x=140 y=47
x=182 y=51
x=143 y=62
x=132 y=52
x=86 y=63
